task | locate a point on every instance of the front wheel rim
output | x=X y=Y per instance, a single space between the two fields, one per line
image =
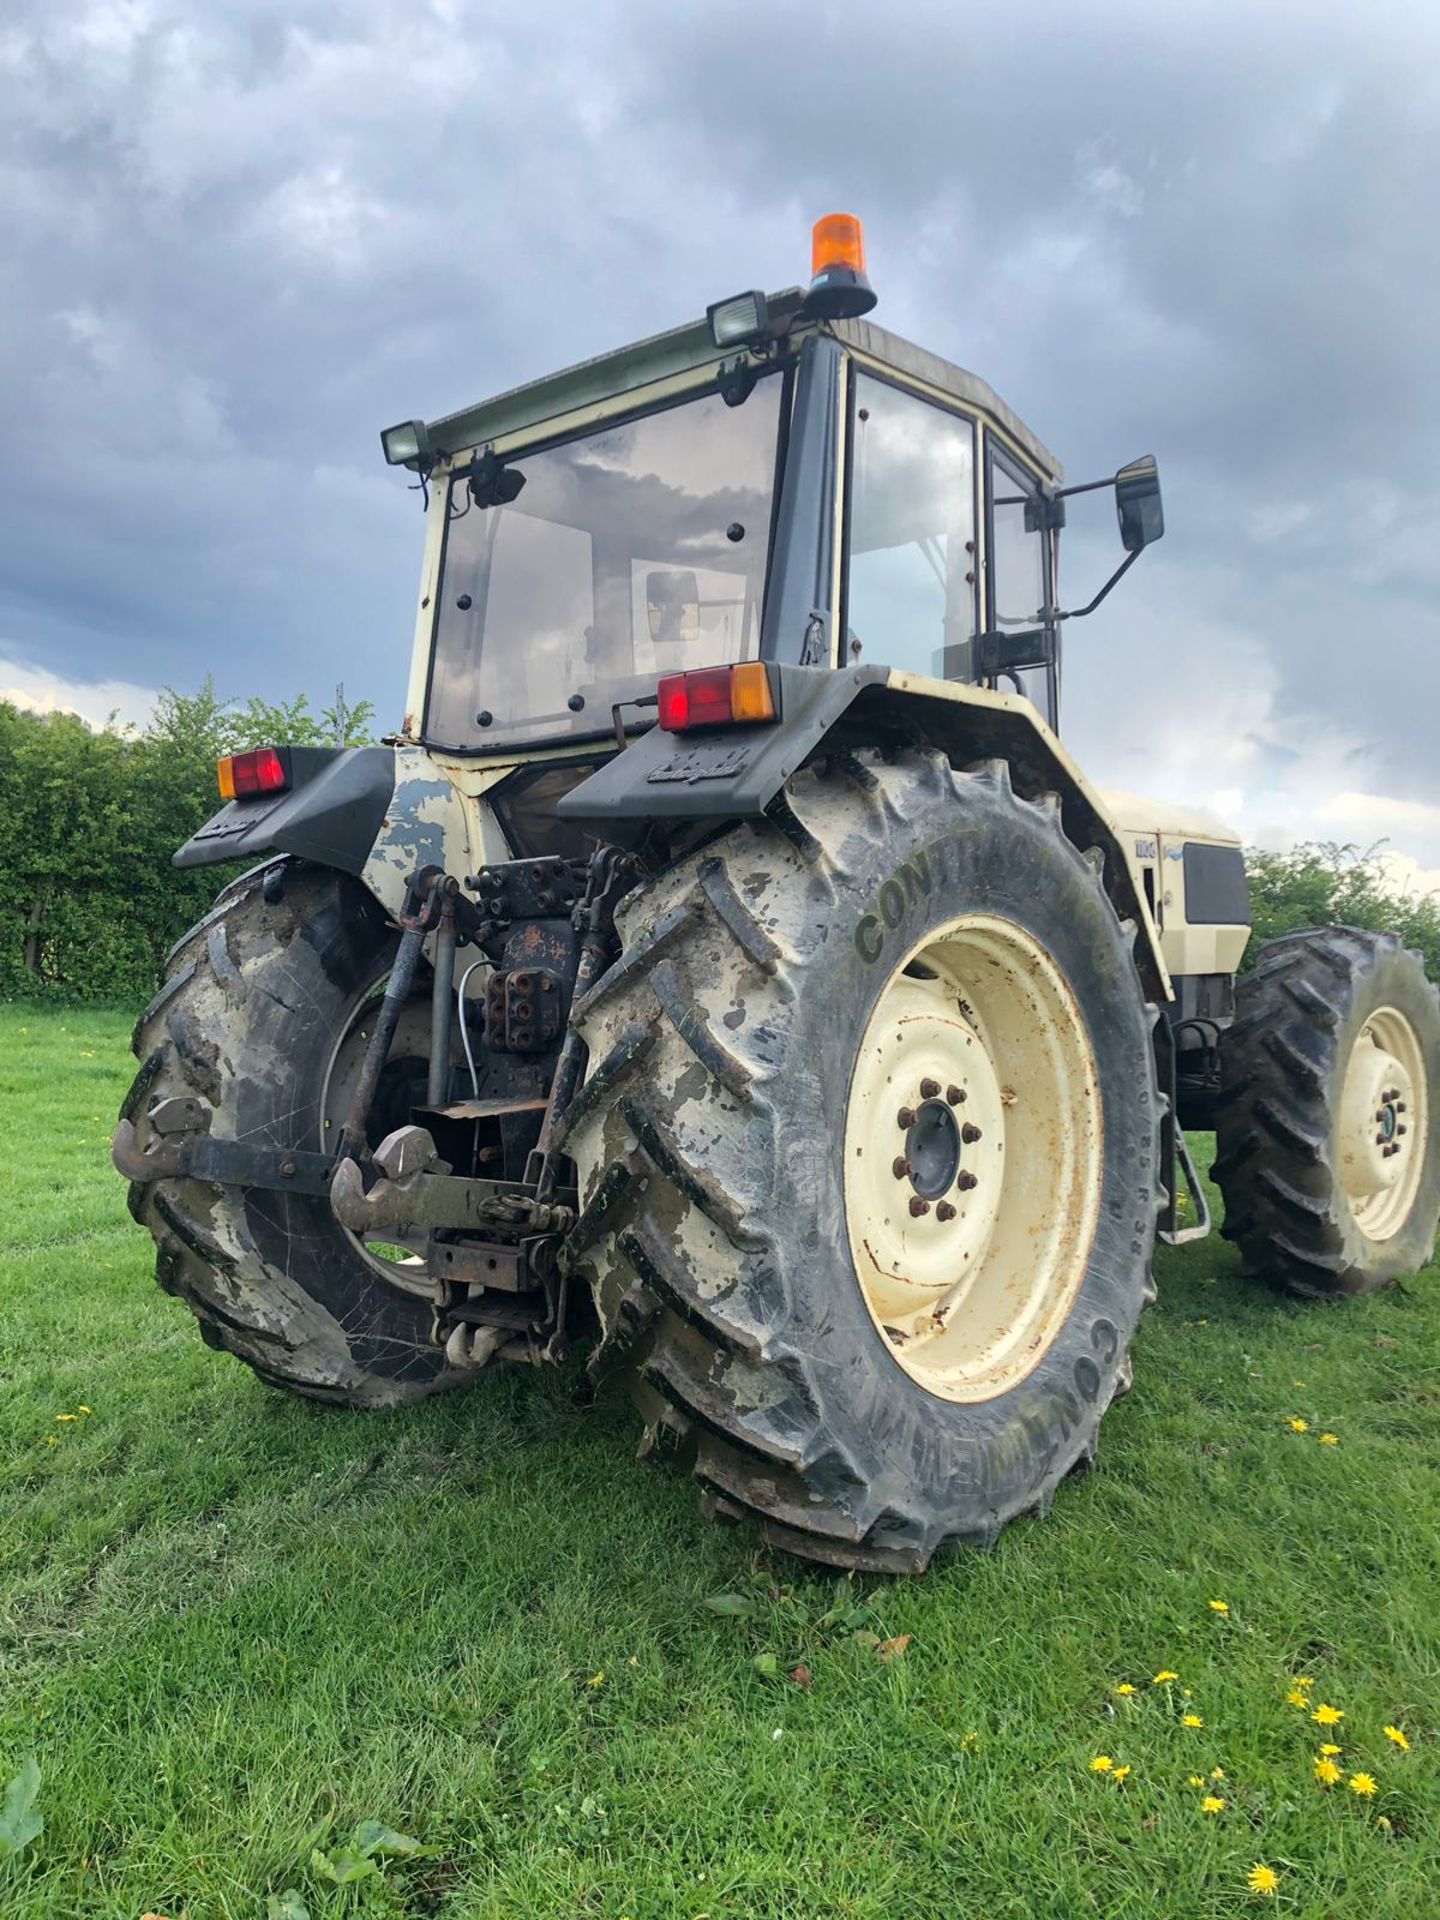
x=974 y=1145
x=1384 y=1123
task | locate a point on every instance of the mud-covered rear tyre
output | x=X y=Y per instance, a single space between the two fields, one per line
x=256 y=997
x=711 y=1142
x=1312 y=1198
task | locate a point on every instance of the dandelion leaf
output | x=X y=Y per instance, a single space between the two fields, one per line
x=19 y=1822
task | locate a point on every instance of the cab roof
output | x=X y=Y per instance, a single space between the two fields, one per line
x=688 y=349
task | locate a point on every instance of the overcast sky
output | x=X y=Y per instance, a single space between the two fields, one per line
x=237 y=239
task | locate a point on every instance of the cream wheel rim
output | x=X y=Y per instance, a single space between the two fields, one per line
x=1384 y=1124
x=974 y=1144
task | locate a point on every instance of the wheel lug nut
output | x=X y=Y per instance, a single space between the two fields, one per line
x=1400 y=1129
x=905 y=1118
x=966 y=1180
x=944 y=1211
x=900 y=1166
x=1400 y=1106
x=919 y=1206
x=955 y=1095
x=970 y=1133
x=929 y=1089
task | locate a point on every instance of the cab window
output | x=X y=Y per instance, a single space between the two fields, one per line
x=1016 y=566
x=910 y=589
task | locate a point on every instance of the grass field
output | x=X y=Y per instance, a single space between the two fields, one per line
x=233 y=1626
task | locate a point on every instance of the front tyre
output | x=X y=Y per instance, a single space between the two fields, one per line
x=1327 y=1147
x=869 y=1153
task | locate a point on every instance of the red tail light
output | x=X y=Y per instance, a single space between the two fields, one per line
x=716 y=697
x=243 y=775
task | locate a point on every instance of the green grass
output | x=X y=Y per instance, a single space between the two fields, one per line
x=227 y=1618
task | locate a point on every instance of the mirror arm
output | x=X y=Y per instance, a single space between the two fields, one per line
x=1079 y=613
x=1086 y=486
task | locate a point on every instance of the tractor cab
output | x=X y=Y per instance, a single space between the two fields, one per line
x=782 y=482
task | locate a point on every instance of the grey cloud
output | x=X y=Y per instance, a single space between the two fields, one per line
x=236 y=242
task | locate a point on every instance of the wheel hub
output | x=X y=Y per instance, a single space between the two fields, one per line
x=932 y=1150
x=972 y=1158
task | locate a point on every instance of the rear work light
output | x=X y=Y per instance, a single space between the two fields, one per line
x=244 y=775
x=717 y=697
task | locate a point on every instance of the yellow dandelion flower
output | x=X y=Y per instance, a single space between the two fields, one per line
x=1363 y=1784
x=1331 y=1748
x=1298 y=1699
x=1304 y=1680
x=1163 y=1675
x=1299 y=1426
x=1212 y=1803
x=1394 y=1734
x=1125 y=1687
x=1217 y=1773
x=1218 y=1606
x=1262 y=1880
x=65 y=1416
x=596 y=1679
x=1191 y=1720
x=1329 y=1439
x=1197 y=1779
x=1326 y=1772
x=82 y=1409
x=1102 y=1763
x=1327 y=1716
x=1119 y=1773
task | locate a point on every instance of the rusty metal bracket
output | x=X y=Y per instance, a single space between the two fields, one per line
x=413 y=1197
x=229 y=1163
x=501 y=1265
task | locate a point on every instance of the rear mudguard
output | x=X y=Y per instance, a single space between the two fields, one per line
x=377 y=812
x=739 y=772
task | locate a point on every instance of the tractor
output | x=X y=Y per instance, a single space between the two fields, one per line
x=726 y=970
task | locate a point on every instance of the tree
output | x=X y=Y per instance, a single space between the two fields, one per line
x=1321 y=884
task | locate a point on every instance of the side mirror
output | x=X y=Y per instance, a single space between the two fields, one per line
x=1137 y=501
x=672 y=607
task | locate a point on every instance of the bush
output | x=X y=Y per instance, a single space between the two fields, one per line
x=89 y=902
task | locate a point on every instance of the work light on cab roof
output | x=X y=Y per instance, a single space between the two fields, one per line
x=839 y=290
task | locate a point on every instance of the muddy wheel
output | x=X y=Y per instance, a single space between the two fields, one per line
x=869 y=1156
x=263 y=1019
x=1328 y=1151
